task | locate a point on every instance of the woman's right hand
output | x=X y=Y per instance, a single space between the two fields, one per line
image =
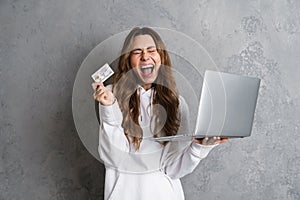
x=102 y=94
x=210 y=140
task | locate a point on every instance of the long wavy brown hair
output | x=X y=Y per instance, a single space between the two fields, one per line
x=125 y=86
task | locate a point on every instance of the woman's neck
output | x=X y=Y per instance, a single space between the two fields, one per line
x=147 y=86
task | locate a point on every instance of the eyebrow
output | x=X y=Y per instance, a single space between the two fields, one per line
x=140 y=49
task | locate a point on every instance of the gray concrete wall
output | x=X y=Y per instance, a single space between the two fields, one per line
x=43 y=43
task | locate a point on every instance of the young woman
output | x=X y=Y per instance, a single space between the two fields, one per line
x=143 y=103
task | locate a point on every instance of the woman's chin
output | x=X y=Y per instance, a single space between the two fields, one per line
x=146 y=80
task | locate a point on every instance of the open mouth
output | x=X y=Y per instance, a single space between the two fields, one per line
x=147 y=69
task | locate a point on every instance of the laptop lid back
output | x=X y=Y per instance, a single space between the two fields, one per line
x=227 y=105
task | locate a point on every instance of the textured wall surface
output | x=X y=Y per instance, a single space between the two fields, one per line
x=43 y=43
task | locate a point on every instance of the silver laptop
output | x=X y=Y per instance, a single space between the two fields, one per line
x=226 y=108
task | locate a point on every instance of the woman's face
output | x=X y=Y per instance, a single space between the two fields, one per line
x=145 y=59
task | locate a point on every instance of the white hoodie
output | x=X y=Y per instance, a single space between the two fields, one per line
x=152 y=172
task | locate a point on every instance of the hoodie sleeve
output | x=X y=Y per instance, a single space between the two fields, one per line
x=112 y=140
x=182 y=157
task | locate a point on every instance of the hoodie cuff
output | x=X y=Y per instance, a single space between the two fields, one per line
x=111 y=113
x=201 y=150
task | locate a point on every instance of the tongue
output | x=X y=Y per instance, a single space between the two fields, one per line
x=147 y=71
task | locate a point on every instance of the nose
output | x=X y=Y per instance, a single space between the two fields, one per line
x=145 y=56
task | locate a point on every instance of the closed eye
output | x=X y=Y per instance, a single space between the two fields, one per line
x=152 y=50
x=139 y=51
x=136 y=52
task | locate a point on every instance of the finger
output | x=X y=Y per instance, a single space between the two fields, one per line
x=197 y=141
x=211 y=140
x=96 y=97
x=95 y=85
x=100 y=91
x=100 y=96
x=103 y=96
x=224 y=140
x=205 y=141
x=214 y=141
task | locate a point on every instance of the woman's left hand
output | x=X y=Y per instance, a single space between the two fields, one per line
x=210 y=140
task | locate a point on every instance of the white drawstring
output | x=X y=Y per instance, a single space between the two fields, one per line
x=149 y=108
x=139 y=96
x=146 y=109
x=151 y=102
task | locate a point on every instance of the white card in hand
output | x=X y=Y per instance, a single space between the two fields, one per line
x=103 y=73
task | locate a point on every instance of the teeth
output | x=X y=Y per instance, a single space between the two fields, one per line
x=146 y=66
